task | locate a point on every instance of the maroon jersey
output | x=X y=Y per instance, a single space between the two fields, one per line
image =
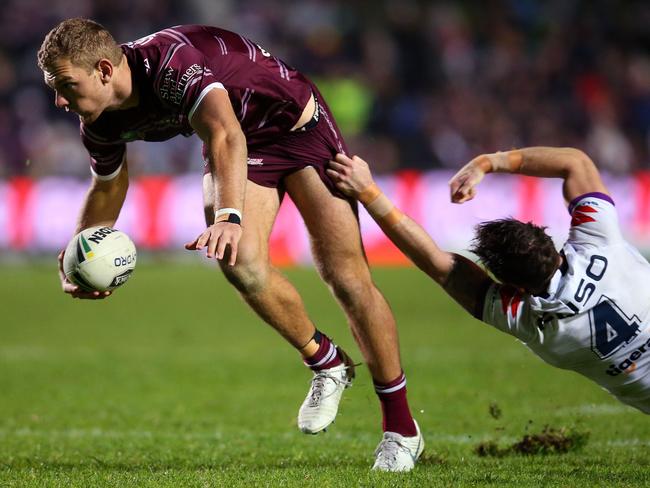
x=174 y=69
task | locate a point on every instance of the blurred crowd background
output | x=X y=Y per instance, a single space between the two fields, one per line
x=413 y=84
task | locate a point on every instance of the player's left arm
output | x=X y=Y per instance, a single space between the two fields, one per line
x=461 y=278
x=578 y=171
x=216 y=124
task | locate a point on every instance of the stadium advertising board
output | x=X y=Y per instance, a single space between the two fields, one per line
x=162 y=213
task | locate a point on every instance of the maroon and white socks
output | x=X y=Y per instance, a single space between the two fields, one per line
x=395 y=407
x=326 y=357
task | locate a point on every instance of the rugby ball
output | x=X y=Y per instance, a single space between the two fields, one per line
x=99 y=259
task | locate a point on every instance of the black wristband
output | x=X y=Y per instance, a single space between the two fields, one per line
x=234 y=219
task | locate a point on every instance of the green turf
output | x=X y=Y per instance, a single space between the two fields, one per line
x=174 y=382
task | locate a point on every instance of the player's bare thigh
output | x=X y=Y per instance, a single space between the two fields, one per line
x=332 y=222
x=260 y=210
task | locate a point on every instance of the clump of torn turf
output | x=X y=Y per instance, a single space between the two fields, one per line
x=491 y=449
x=552 y=441
x=431 y=458
x=495 y=411
x=549 y=441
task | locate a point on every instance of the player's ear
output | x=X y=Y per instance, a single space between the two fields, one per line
x=105 y=68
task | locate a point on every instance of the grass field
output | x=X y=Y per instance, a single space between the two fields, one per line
x=174 y=382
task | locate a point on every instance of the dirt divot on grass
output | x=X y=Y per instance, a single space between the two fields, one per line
x=550 y=440
x=431 y=458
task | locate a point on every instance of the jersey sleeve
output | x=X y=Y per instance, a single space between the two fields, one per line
x=184 y=78
x=505 y=309
x=106 y=157
x=594 y=220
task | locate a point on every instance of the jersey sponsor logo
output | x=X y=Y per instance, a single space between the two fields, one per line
x=580 y=214
x=628 y=365
x=173 y=90
x=510 y=299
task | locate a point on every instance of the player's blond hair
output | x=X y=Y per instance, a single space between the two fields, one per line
x=82 y=41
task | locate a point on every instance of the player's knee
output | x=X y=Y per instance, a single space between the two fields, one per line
x=247 y=276
x=349 y=285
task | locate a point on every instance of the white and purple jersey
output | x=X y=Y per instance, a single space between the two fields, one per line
x=174 y=69
x=595 y=317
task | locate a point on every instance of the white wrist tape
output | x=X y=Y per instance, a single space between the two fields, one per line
x=227 y=211
x=223 y=211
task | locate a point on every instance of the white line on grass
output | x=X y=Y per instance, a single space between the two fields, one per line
x=218 y=435
x=595 y=409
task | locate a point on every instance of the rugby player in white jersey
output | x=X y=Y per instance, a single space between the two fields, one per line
x=585 y=308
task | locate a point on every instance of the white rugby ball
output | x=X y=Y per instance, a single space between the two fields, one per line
x=99 y=259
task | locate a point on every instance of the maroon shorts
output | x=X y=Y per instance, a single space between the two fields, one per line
x=314 y=146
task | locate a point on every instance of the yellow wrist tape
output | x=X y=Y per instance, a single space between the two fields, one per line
x=383 y=210
x=369 y=194
x=392 y=218
x=515 y=158
x=485 y=164
x=507 y=162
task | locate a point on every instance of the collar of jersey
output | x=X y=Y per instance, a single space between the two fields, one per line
x=550 y=303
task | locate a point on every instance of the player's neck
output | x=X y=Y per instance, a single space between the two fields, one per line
x=126 y=94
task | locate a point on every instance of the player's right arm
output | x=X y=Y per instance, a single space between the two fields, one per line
x=104 y=200
x=578 y=171
x=101 y=207
x=461 y=278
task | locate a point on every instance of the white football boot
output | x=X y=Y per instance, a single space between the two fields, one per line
x=320 y=407
x=397 y=453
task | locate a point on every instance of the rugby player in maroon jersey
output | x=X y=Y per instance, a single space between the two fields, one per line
x=266 y=130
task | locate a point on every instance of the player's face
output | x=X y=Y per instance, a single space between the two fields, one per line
x=77 y=90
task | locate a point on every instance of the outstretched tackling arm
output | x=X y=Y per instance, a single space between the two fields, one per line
x=216 y=124
x=462 y=279
x=578 y=171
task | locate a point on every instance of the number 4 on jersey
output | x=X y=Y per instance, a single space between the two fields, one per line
x=610 y=328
